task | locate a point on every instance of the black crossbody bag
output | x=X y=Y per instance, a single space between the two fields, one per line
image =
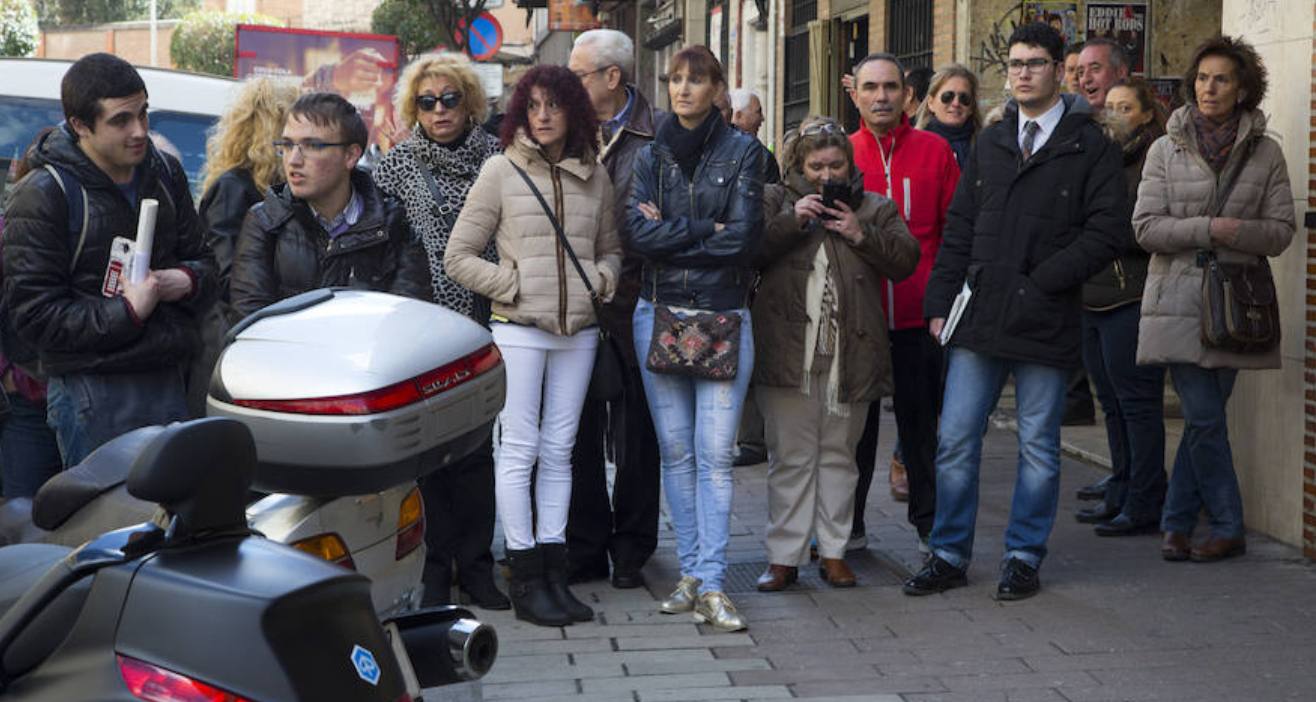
x=605 y=383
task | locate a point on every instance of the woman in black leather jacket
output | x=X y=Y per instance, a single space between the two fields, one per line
x=695 y=216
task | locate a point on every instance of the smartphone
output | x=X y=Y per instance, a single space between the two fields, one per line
x=833 y=193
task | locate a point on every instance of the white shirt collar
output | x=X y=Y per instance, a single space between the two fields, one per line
x=1046 y=124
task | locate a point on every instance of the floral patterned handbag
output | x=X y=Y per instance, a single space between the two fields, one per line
x=694 y=343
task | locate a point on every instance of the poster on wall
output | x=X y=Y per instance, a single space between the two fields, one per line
x=1168 y=92
x=361 y=67
x=715 y=31
x=1062 y=16
x=571 y=16
x=1126 y=23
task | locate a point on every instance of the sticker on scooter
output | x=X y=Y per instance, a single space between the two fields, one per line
x=366 y=667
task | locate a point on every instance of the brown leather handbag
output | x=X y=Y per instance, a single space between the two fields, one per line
x=1240 y=311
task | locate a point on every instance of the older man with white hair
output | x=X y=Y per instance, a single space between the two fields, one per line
x=625 y=528
x=747 y=116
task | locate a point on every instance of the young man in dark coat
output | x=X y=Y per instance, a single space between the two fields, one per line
x=116 y=351
x=1039 y=210
x=625 y=527
x=327 y=225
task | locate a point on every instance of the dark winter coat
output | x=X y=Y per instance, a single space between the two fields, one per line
x=223 y=208
x=1027 y=234
x=686 y=262
x=283 y=251
x=887 y=252
x=55 y=303
x=1121 y=282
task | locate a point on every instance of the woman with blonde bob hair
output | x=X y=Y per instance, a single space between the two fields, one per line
x=441 y=102
x=822 y=347
x=240 y=166
x=951 y=109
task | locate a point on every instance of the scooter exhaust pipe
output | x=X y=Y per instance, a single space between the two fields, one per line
x=472 y=648
x=447 y=645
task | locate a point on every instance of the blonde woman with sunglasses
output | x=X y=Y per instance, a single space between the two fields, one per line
x=951 y=109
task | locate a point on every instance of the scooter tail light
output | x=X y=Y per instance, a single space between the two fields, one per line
x=155 y=684
x=329 y=547
x=411 y=524
x=407 y=392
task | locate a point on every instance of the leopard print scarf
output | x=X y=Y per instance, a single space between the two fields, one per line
x=454 y=170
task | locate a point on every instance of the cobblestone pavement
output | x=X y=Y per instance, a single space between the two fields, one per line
x=1113 y=622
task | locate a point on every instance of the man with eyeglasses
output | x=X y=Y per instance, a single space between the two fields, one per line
x=115 y=350
x=624 y=528
x=327 y=224
x=1040 y=209
x=916 y=169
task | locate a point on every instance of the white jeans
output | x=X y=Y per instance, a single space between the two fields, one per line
x=547 y=376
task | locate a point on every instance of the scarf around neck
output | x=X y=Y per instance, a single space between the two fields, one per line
x=1215 y=141
x=454 y=167
x=687 y=145
x=960 y=138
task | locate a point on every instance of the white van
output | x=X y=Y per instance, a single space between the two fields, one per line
x=184 y=106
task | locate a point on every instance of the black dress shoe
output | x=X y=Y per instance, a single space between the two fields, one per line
x=584 y=573
x=1019 y=581
x=483 y=593
x=1123 y=526
x=624 y=578
x=1096 y=515
x=937 y=576
x=1095 y=491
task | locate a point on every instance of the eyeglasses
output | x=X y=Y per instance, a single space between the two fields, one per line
x=582 y=74
x=818 y=128
x=285 y=147
x=1033 y=65
x=949 y=96
x=450 y=100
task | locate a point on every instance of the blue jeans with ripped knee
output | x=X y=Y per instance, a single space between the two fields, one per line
x=696 y=422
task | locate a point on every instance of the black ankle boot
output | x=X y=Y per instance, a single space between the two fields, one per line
x=480 y=588
x=530 y=594
x=555 y=575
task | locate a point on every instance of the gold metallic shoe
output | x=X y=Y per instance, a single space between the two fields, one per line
x=715 y=608
x=683 y=597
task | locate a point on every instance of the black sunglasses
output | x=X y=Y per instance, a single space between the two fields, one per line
x=949 y=96
x=450 y=100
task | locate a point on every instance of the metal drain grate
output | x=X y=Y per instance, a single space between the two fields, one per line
x=870 y=571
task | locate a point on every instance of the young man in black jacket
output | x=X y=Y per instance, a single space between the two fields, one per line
x=1039 y=210
x=115 y=351
x=327 y=225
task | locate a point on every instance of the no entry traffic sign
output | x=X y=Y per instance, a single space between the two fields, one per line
x=485 y=37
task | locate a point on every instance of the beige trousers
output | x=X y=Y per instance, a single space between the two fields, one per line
x=811 y=471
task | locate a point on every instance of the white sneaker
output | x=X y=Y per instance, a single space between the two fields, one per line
x=923 y=546
x=857 y=542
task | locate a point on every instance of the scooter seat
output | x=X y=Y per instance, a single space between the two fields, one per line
x=21 y=566
x=106 y=468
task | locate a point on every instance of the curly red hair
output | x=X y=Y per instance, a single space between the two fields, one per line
x=568 y=92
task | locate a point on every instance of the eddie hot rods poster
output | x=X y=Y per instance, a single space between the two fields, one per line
x=1126 y=24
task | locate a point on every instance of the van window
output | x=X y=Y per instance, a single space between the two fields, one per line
x=187 y=132
x=21 y=119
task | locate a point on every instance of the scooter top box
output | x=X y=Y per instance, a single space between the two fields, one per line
x=350 y=392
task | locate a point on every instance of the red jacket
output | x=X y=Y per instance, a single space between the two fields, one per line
x=925 y=178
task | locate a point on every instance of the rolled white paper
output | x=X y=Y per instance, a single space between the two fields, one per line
x=145 y=240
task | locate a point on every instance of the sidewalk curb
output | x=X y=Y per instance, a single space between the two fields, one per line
x=1002 y=420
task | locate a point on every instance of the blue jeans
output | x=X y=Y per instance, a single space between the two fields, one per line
x=1204 y=464
x=88 y=409
x=696 y=422
x=973 y=387
x=1132 y=399
x=28 y=450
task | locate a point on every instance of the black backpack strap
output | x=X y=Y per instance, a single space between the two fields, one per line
x=76 y=198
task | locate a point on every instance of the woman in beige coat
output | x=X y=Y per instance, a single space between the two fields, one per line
x=543 y=320
x=1215 y=183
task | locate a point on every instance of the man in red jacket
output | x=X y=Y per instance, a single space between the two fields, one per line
x=917 y=170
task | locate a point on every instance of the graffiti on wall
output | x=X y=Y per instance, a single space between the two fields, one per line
x=994 y=50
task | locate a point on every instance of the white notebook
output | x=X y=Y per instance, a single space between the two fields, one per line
x=956 y=311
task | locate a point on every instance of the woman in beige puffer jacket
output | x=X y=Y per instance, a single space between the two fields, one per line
x=1215 y=148
x=543 y=320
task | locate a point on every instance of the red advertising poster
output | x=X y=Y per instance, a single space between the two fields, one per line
x=360 y=67
x=571 y=16
x=1125 y=23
